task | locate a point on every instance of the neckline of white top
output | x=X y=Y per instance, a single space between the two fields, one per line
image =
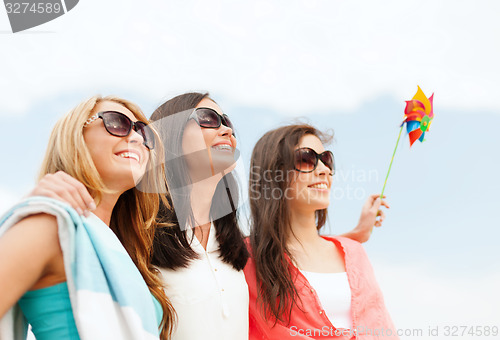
x=318 y=273
x=212 y=244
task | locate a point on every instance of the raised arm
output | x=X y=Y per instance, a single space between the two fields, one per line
x=368 y=219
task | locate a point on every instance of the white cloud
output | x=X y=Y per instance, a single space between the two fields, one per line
x=293 y=56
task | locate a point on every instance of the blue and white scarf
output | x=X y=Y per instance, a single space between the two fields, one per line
x=109 y=297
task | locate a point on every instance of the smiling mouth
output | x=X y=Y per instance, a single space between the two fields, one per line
x=321 y=186
x=129 y=155
x=222 y=147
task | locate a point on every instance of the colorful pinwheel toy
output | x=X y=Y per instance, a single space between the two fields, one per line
x=418 y=118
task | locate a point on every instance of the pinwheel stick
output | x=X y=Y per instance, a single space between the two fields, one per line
x=392 y=159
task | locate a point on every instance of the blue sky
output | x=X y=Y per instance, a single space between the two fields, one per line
x=346 y=66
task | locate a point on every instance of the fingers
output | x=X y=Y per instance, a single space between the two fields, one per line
x=384 y=203
x=63 y=187
x=372 y=214
x=80 y=192
x=374 y=209
x=62 y=191
x=370 y=201
x=381 y=215
x=375 y=202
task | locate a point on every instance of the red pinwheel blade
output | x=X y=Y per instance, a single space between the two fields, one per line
x=414 y=135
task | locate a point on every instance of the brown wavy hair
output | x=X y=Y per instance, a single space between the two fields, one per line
x=133 y=219
x=270 y=227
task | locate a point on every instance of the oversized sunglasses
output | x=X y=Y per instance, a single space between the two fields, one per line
x=209 y=118
x=306 y=160
x=119 y=125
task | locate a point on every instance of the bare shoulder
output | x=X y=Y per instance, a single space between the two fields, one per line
x=34 y=230
x=41 y=218
x=39 y=221
x=33 y=244
x=32 y=250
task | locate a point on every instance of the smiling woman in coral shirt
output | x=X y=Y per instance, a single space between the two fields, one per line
x=303 y=285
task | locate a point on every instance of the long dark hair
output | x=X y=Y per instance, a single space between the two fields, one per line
x=171 y=247
x=270 y=229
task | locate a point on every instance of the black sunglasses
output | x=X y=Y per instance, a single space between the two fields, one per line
x=119 y=125
x=209 y=118
x=306 y=160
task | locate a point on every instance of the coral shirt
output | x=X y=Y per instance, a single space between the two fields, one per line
x=309 y=321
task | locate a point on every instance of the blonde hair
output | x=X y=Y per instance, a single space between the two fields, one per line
x=133 y=218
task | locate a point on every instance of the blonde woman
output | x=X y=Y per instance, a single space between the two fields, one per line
x=90 y=277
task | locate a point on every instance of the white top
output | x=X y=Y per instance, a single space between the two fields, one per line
x=334 y=293
x=209 y=296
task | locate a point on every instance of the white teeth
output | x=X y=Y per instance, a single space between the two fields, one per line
x=129 y=155
x=223 y=147
x=319 y=186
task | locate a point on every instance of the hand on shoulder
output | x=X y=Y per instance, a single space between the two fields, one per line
x=65 y=188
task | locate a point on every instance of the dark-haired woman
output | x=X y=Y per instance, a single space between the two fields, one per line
x=202 y=256
x=303 y=285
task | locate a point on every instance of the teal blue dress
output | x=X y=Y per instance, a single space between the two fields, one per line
x=48 y=311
